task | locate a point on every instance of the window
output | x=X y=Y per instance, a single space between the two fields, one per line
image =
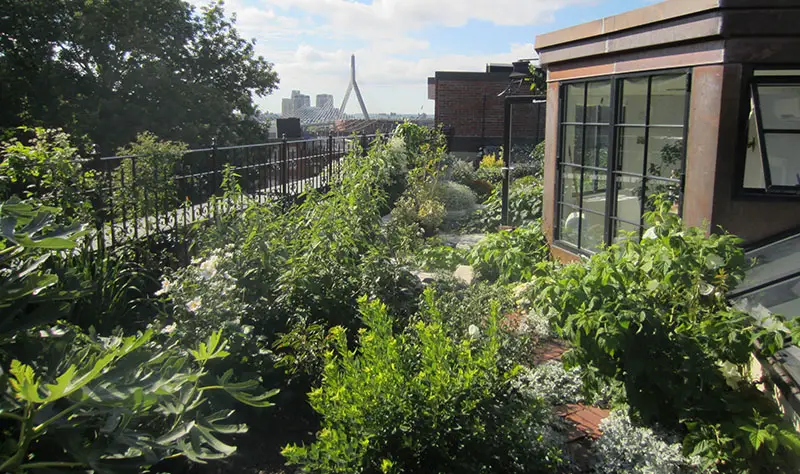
x=772 y=163
x=621 y=143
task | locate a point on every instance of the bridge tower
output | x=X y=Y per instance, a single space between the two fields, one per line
x=354 y=85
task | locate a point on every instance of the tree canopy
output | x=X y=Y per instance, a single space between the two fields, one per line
x=108 y=70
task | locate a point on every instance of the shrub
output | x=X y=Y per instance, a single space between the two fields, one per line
x=144 y=185
x=653 y=316
x=553 y=383
x=628 y=448
x=102 y=403
x=524 y=206
x=491 y=161
x=529 y=164
x=457 y=197
x=420 y=203
x=439 y=258
x=462 y=172
x=510 y=256
x=422 y=401
x=48 y=170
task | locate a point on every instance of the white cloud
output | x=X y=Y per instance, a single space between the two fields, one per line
x=388 y=18
x=393 y=66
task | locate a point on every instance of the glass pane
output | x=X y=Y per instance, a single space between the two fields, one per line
x=568 y=225
x=597 y=142
x=574 y=103
x=668 y=100
x=780 y=107
x=594 y=190
x=772 y=262
x=754 y=165
x=633 y=109
x=781 y=298
x=783 y=156
x=630 y=157
x=669 y=190
x=592 y=232
x=572 y=146
x=620 y=229
x=598 y=102
x=570 y=185
x=777 y=72
x=665 y=152
x=628 y=204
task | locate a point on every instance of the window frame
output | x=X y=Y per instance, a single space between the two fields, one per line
x=609 y=219
x=750 y=93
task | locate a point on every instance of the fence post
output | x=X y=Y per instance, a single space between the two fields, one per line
x=98 y=202
x=285 y=165
x=364 y=144
x=214 y=185
x=330 y=158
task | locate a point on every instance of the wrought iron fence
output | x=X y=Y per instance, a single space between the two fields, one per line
x=140 y=196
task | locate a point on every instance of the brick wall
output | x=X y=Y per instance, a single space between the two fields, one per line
x=469 y=105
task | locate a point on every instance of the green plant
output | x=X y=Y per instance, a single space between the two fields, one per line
x=439 y=257
x=653 y=316
x=491 y=161
x=510 y=256
x=462 y=172
x=49 y=170
x=457 y=197
x=144 y=183
x=420 y=203
x=30 y=293
x=80 y=400
x=422 y=401
x=628 y=448
x=119 y=404
x=524 y=206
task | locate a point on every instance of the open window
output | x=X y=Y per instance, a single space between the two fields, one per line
x=772 y=154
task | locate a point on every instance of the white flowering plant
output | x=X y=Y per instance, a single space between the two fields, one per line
x=209 y=295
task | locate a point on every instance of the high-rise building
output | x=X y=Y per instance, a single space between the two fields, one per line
x=287 y=107
x=324 y=101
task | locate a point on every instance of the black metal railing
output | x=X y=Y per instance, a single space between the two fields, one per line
x=140 y=196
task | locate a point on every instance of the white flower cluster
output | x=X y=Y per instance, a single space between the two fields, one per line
x=627 y=448
x=533 y=322
x=207 y=292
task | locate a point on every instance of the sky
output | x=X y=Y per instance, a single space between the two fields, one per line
x=398 y=43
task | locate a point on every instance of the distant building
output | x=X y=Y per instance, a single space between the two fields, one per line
x=300 y=101
x=324 y=101
x=287 y=107
x=470 y=107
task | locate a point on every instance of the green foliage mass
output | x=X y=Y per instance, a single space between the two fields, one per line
x=48 y=169
x=144 y=185
x=524 y=206
x=75 y=399
x=510 y=256
x=422 y=401
x=653 y=315
x=110 y=70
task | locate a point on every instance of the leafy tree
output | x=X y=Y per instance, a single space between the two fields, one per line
x=110 y=70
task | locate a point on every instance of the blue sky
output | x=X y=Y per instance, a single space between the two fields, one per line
x=398 y=43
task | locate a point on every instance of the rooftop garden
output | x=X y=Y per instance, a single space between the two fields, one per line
x=383 y=324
